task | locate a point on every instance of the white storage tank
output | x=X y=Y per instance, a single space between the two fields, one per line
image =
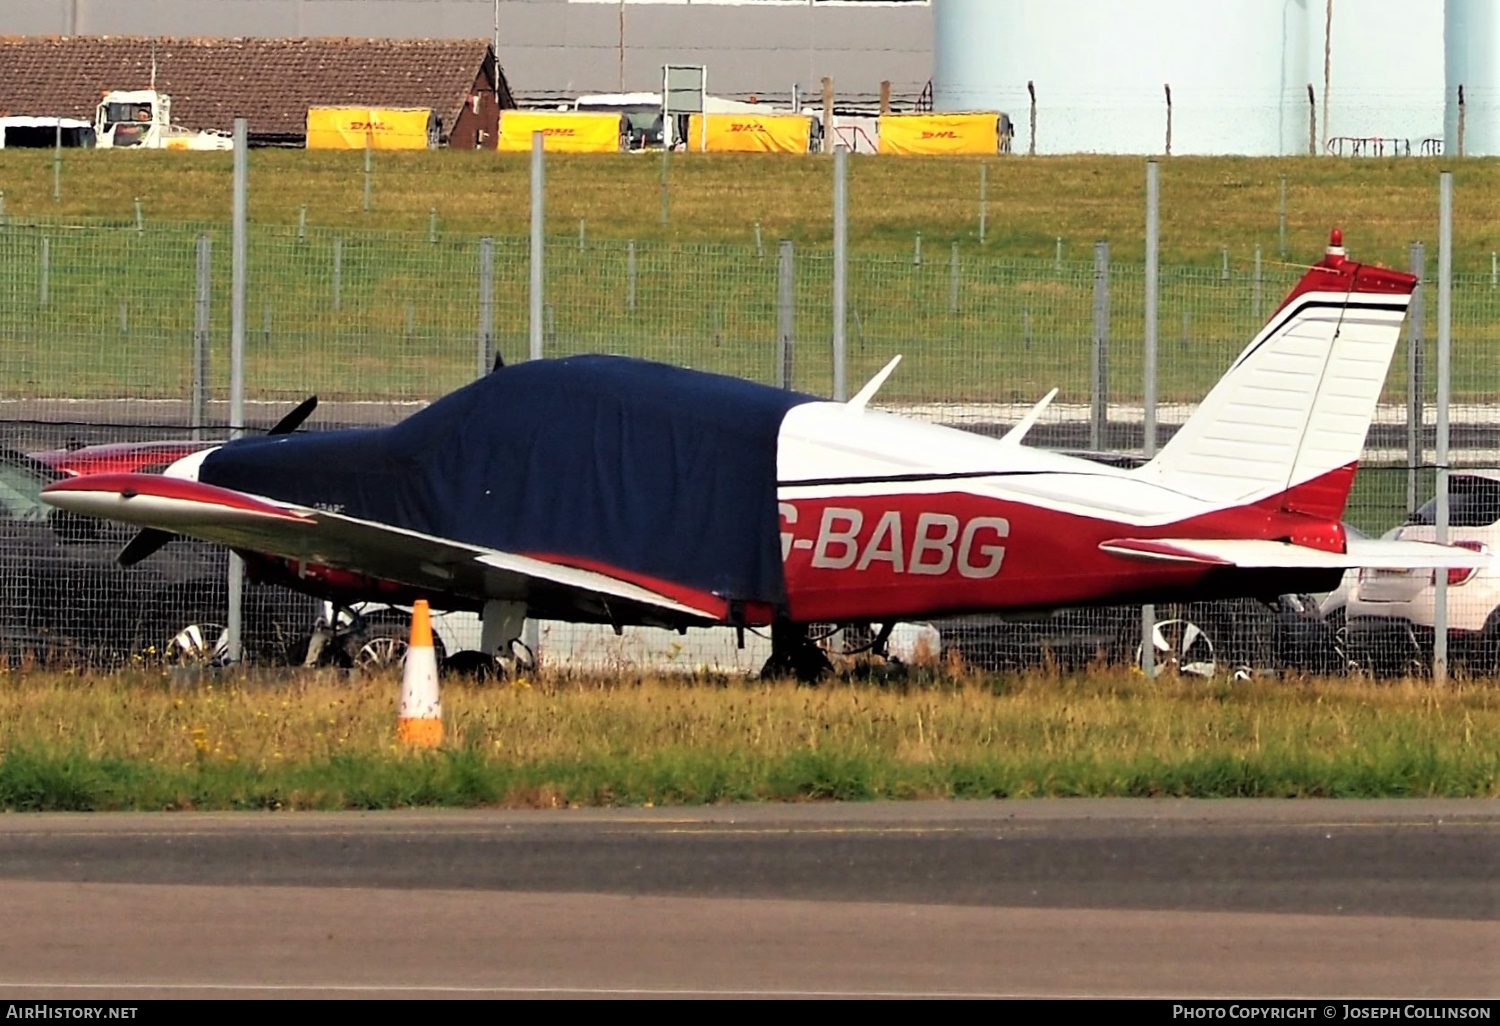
x=1471 y=47
x=1238 y=71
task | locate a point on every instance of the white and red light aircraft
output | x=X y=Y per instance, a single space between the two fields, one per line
x=610 y=490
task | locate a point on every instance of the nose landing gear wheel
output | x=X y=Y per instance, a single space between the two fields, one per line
x=1182 y=646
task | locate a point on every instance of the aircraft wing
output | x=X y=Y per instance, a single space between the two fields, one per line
x=554 y=584
x=1252 y=553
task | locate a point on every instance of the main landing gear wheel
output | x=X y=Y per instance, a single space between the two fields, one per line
x=794 y=654
x=1182 y=646
x=480 y=667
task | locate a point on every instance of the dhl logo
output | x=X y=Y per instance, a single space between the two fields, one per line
x=926 y=134
x=369 y=126
x=747 y=126
x=559 y=131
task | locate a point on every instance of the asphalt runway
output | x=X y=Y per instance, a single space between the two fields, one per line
x=1005 y=899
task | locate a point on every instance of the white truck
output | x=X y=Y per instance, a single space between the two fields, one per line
x=142 y=119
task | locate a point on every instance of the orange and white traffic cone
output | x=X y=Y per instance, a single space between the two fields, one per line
x=421 y=723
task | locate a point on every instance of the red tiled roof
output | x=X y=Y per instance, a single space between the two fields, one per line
x=271 y=82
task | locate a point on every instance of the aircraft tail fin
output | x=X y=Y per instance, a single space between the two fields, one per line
x=1286 y=424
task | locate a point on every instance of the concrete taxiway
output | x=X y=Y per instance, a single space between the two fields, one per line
x=1038 y=898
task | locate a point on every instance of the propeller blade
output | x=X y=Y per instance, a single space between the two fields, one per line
x=145 y=543
x=292 y=421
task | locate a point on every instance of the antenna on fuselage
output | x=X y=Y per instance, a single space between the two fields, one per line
x=1015 y=435
x=863 y=397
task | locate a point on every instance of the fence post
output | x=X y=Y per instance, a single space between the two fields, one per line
x=630 y=275
x=140 y=219
x=786 y=282
x=45 y=271
x=238 y=270
x=369 y=168
x=1148 y=368
x=666 y=196
x=1031 y=144
x=486 y=305
x=984 y=182
x=1257 y=293
x=953 y=281
x=1444 y=364
x=57 y=166
x=201 y=311
x=1281 y=221
x=840 y=271
x=1416 y=387
x=338 y=268
x=828 y=127
x=302 y=223
x=1099 y=369
x=538 y=243
x=432 y=225
x=760 y=248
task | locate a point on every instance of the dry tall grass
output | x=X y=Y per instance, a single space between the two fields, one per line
x=326 y=741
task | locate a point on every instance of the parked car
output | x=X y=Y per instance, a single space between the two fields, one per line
x=1390 y=614
x=64 y=599
x=1239 y=637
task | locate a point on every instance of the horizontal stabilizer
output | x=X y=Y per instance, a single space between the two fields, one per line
x=1255 y=553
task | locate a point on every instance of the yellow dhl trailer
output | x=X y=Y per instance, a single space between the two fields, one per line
x=982 y=133
x=380 y=128
x=749 y=133
x=563 y=131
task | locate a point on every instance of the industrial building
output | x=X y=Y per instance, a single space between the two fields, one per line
x=271 y=82
x=1255 y=77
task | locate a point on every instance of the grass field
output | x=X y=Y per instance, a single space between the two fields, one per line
x=107 y=313
x=134 y=742
x=1208 y=203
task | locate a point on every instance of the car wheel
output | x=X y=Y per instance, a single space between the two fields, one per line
x=383 y=645
x=198 y=644
x=1485 y=659
x=1338 y=631
x=1181 y=646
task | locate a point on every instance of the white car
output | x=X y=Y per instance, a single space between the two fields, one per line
x=379 y=639
x=1389 y=614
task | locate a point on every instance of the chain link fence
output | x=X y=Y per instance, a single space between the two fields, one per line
x=120 y=332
